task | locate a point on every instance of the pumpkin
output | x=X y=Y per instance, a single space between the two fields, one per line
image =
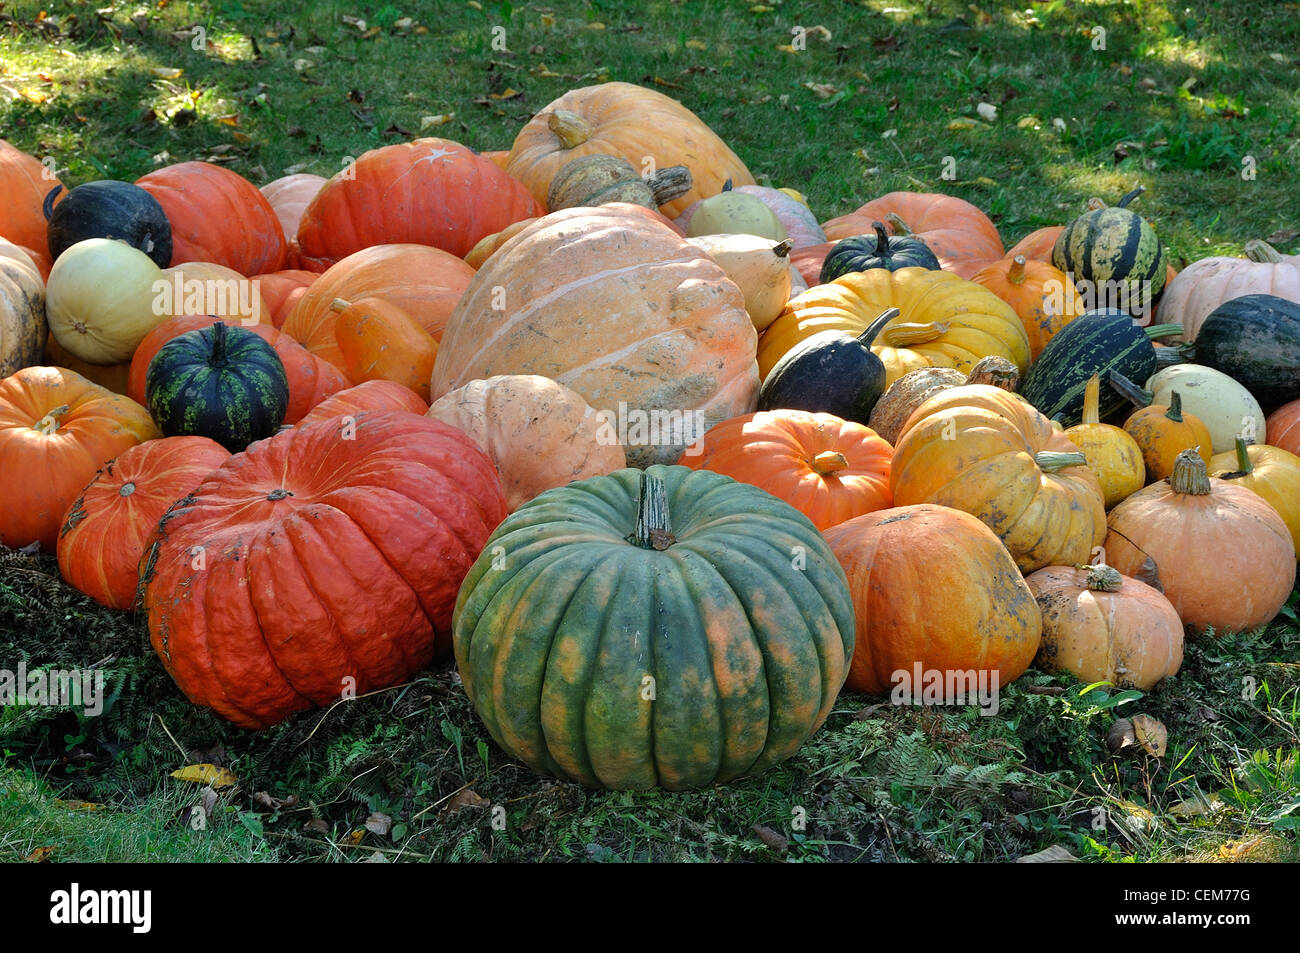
x=1161 y=431
x=621 y=310
x=281 y=291
x=106 y=530
x=428 y=192
x=487 y=246
x=289 y=197
x=1283 y=427
x=735 y=213
x=109 y=209
x=25 y=257
x=218 y=216
x=101 y=299
x=380 y=341
x=622 y=119
x=1038 y=244
x=372 y=396
x=111 y=376
x=1271 y=472
x=24 y=183
x=982 y=450
x=916 y=387
x=310 y=379
x=597 y=179
x=56 y=430
x=1224 y=406
x=219 y=382
x=1114 y=248
x=1224 y=555
x=1100 y=626
x=1112 y=454
x=648 y=628
x=358 y=547
x=973 y=613
x=1255 y=340
x=758 y=266
x=808 y=261
x=22 y=316
x=537 y=433
x=864 y=252
x=952 y=228
x=424 y=282
x=499 y=156
x=827 y=468
x=1043 y=298
x=1204 y=285
x=204 y=287
x=945 y=321
x=800 y=224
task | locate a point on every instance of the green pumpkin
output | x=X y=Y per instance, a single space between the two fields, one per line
x=1113 y=244
x=220 y=382
x=667 y=627
x=109 y=209
x=864 y=252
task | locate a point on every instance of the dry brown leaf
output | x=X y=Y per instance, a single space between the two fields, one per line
x=467 y=798
x=770 y=837
x=39 y=855
x=1056 y=854
x=378 y=823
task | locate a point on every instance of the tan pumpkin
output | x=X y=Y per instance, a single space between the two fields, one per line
x=916 y=387
x=23 y=256
x=22 y=316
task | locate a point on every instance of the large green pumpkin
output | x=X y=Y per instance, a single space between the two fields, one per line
x=224 y=383
x=666 y=627
x=1113 y=244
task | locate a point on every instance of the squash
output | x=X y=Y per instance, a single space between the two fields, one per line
x=101 y=300
x=621 y=119
x=952 y=228
x=107 y=529
x=1283 y=427
x=1224 y=406
x=289 y=197
x=25 y=257
x=109 y=209
x=735 y=213
x=829 y=469
x=1224 y=555
x=537 y=433
x=597 y=179
x=864 y=252
x=987 y=452
x=1038 y=244
x=380 y=341
x=973 y=614
x=1271 y=472
x=1101 y=626
x=372 y=395
x=1255 y=340
x=758 y=266
x=22 y=316
x=357 y=535
x=56 y=430
x=24 y=183
x=944 y=321
x=1043 y=298
x=650 y=628
x=1098 y=342
x=916 y=387
x=204 y=287
x=1161 y=432
x=217 y=216
x=619 y=309
x=219 y=382
x=800 y=224
x=282 y=290
x=1115 y=253
x=1204 y=285
x=1112 y=454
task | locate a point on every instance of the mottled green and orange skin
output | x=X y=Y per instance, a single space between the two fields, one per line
x=562 y=618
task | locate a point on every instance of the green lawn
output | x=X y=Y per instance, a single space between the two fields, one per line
x=1178 y=98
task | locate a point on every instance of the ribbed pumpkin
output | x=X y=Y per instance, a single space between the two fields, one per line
x=1283 y=427
x=1271 y=472
x=109 y=209
x=537 y=433
x=932 y=587
x=56 y=430
x=25 y=257
x=358 y=547
x=1204 y=285
x=107 y=529
x=618 y=308
x=980 y=449
x=1113 y=455
x=24 y=183
x=1161 y=432
x=944 y=320
x=372 y=395
x=219 y=216
x=282 y=290
x=916 y=387
x=1224 y=555
x=1101 y=626
x=829 y=469
x=650 y=628
x=289 y=197
x=622 y=119
x=428 y=192
x=380 y=341
x=1113 y=244
x=952 y=228
x=22 y=316
x=1042 y=297
x=864 y=252
x=424 y=282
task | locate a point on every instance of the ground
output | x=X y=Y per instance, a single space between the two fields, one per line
x=1196 y=101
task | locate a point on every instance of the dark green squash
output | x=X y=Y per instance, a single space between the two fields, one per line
x=1254 y=339
x=224 y=383
x=1113 y=244
x=1094 y=343
x=864 y=252
x=831 y=373
x=109 y=209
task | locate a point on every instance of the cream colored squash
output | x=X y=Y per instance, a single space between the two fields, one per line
x=759 y=266
x=1224 y=406
x=100 y=300
x=208 y=288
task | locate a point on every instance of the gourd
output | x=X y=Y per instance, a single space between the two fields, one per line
x=597 y=179
x=109 y=209
x=101 y=300
x=1112 y=454
x=916 y=387
x=758 y=266
x=864 y=252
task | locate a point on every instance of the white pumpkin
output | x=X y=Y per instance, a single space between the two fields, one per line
x=101 y=300
x=1224 y=406
x=759 y=266
x=12 y=252
x=1204 y=285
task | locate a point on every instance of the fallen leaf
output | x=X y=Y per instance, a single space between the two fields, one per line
x=166 y=72
x=376 y=857
x=507 y=93
x=468 y=798
x=961 y=123
x=39 y=855
x=1196 y=806
x=1282 y=236
x=79 y=805
x=1234 y=850
x=987 y=111
x=206 y=773
x=440 y=120
x=822 y=90
x=1056 y=854
x=354 y=837
x=316 y=826
x=380 y=824
x=696 y=45
x=770 y=838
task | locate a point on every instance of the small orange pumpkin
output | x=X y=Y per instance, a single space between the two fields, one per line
x=1161 y=432
x=1041 y=295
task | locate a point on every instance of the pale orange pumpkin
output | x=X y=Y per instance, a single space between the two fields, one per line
x=380 y=341
x=370 y=396
x=1271 y=472
x=289 y=196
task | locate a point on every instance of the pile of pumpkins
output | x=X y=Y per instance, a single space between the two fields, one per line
x=398 y=433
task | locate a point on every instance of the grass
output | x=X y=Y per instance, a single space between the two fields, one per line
x=1181 y=94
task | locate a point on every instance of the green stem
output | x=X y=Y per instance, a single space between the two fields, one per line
x=1175 y=411
x=1101 y=578
x=1129 y=391
x=868 y=335
x=218 y=344
x=1244 y=465
x=652 y=526
x=1162 y=331
x=1050 y=461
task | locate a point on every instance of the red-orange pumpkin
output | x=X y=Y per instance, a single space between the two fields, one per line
x=24 y=183
x=372 y=396
x=106 y=530
x=281 y=291
x=1284 y=428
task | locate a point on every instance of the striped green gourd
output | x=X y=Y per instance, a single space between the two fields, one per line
x=1094 y=343
x=224 y=383
x=1113 y=244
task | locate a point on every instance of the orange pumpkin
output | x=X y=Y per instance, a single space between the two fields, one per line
x=106 y=530
x=56 y=430
x=380 y=341
x=972 y=614
x=24 y=183
x=289 y=197
x=1161 y=432
x=1042 y=297
x=954 y=229
x=1223 y=554
x=808 y=262
x=372 y=395
x=1038 y=244
x=498 y=156
x=281 y=291
x=829 y=469
x=1283 y=427
x=112 y=376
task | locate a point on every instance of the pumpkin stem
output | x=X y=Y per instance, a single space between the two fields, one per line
x=899 y=226
x=218 y=344
x=652 y=526
x=340 y=305
x=868 y=334
x=1129 y=391
x=1123 y=203
x=1092 y=400
x=828 y=461
x=1162 y=331
x=1016 y=273
x=1190 y=476
x=1258 y=250
x=910 y=333
x=1175 y=411
x=782 y=249
x=1050 y=461
x=882 y=240
x=50 y=422
x=996 y=372
x=1175 y=354
x=1101 y=578
x=1095 y=204
x=48 y=206
x=126 y=490
x=726 y=186
x=670 y=183
x=570 y=128
x=1245 y=467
